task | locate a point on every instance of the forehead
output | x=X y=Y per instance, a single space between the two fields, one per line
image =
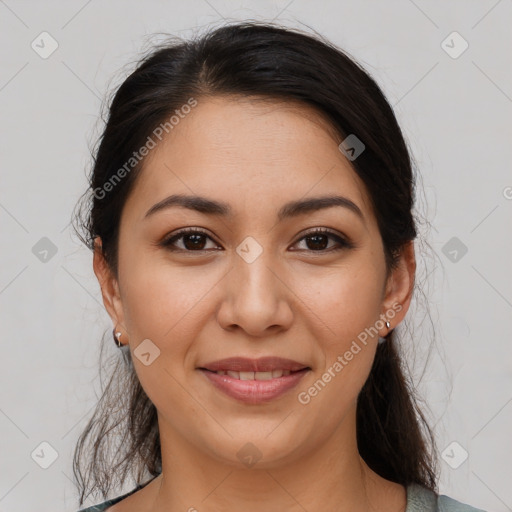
x=253 y=153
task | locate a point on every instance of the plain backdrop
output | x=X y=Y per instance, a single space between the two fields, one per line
x=445 y=68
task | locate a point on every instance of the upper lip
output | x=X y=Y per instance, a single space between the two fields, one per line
x=263 y=364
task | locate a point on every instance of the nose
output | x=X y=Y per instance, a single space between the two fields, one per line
x=256 y=298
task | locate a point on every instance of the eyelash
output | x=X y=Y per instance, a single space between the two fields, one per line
x=342 y=242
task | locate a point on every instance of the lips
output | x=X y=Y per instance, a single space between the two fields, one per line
x=274 y=374
x=263 y=364
x=254 y=381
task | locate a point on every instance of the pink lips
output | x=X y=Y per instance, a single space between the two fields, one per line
x=254 y=391
x=264 y=364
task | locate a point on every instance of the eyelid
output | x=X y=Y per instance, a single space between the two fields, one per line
x=166 y=241
x=342 y=240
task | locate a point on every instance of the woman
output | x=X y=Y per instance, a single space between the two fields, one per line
x=251 y=220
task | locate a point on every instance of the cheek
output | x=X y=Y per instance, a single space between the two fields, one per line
x=347 y=304
x=344 y=306
x=165 y=302
x=344 y=301
x=170 y=305
x=167 y=305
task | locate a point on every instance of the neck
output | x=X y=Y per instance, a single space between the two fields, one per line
x=333 y=476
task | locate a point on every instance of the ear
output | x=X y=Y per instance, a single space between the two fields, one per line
x=109 y=285
x=400 y=286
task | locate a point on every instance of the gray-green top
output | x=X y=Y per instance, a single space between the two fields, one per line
x=419 y=499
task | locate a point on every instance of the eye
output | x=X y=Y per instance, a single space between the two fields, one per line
x=195 y=240
x=318 y=239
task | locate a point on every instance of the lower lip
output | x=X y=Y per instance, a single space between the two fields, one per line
x=255 y=391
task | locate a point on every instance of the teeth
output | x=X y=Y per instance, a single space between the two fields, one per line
x=274 y=374
x=262 y=375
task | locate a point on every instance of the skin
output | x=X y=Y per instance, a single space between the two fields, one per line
x=304 y=304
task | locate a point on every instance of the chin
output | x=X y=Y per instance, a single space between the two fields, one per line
x=255 y=448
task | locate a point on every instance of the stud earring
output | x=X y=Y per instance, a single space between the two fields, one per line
x=116 y=336
x=382 y=340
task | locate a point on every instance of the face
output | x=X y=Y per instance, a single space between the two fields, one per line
x=253 y=280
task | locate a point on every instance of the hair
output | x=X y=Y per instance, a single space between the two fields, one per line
x=255 y=60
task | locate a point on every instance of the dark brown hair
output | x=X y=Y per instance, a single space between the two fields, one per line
x=259 y=60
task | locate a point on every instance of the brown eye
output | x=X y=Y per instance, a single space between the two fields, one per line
x=318 y=241
x=192 y=239
x=195 y=240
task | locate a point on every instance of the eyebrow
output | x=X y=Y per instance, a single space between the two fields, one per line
x=291 y=209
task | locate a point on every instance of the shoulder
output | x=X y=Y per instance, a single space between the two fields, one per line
x=102 y=506
x=447 y=504
x=98 y=508
x=421 y=499
x=106 y=504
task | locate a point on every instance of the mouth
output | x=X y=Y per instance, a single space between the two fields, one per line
x=261 y=365
x=254 y=381
x=274 y=374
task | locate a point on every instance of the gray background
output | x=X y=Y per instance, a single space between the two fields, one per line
x=455 y=113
